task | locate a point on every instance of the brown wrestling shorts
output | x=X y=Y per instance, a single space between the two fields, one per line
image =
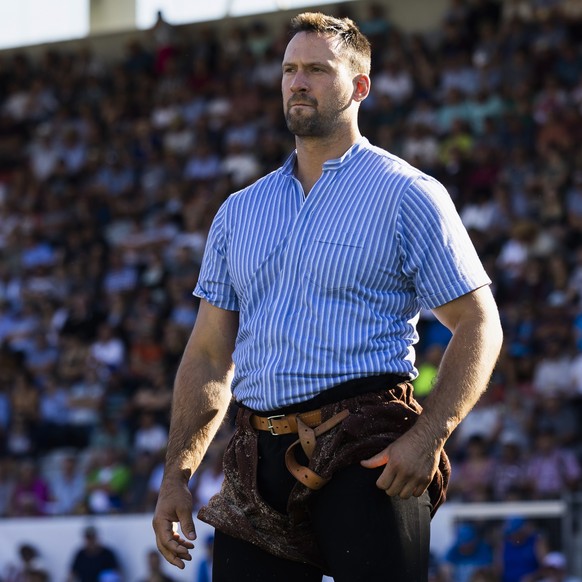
x=375 y=420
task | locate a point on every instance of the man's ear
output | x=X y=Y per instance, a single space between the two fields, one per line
x=361 y=87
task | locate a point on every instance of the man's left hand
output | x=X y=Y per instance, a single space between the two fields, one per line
x=410 y=463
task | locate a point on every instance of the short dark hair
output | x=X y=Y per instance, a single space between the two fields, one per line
x=356 y=46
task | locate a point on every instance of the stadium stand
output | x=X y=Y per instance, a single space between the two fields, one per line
x=111 y=172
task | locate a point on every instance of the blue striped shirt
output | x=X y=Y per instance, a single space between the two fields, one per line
x=329 y=286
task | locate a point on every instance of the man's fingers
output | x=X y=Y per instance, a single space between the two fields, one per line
x=180 y=544
x=405 y=472
x=173 y=547
x=174 y=560
x=376 y=461
x=187 y=524
x=405 y=488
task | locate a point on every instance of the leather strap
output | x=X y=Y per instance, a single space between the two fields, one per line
x=285 y=424
x=307 y=439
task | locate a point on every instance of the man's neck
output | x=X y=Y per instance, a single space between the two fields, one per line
x=313 y=152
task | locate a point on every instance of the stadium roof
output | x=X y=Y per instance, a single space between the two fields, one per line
x=33 y=22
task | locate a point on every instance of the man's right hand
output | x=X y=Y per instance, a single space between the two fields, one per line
x=174 y=506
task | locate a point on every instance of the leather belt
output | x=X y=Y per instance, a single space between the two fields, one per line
x=285 y=423
x=308 y=426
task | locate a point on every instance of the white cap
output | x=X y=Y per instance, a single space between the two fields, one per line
x=555 y=560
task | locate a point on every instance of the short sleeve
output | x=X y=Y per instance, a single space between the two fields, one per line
x=437 y=252
x=214 y=283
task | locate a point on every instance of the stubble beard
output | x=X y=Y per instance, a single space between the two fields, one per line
x=312 y=123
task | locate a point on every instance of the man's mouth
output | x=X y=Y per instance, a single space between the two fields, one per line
x=300 y=104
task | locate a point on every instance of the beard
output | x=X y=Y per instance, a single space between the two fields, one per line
x=311 y=121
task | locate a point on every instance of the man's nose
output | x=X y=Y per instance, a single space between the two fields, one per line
x=299 y=83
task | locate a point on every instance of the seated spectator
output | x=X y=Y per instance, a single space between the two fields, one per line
x=517 y=10
x=79 y=319
x=94 y=561
x=203 y=164
x=146 y=351
x=241 y=128
x=394 y=80
x=42 y=153
x=184 y=311
x=555 y=412
x=517 y=249
x=110 y=433
x=155 y=482
x=420 y=146
x=551 y=470
x=72 y=151
x=31 y=494
x=25 y=400
x=469 y=553
x=240 y=165
x=21 y=438
x=115 y=178
x=173 y=341
x=152 y=395
x=457 y=74
x=483 y=421
x=427 y=370
x=120 y=277
x=453 y=109
x=29 y=568
x=54 y=415
x=108 y=350
x=41 y=357
x=516 y=417
x=67 y=485
x=521 y=550
x=150 y=436
x=137 y=497
x=85 y=399
x=457 y=144
x=108 y=479
x=509 y=474
x=472 y=476
x=554 y=568
x=552 y=372
x=179 y=137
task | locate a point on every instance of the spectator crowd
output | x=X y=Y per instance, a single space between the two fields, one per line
x=112 y=170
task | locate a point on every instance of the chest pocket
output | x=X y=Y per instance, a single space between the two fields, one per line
x=334 y=265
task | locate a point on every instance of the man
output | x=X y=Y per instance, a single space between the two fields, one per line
x=554 y=568
x=312 y=282
x=94 y=562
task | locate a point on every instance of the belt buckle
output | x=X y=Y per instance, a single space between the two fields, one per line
x=270 y=423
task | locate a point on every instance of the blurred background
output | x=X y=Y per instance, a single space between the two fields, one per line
x=123 y=127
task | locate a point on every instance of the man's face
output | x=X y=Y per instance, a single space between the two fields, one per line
x=317 y=86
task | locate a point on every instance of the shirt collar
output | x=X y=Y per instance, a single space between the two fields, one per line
x=289 y=165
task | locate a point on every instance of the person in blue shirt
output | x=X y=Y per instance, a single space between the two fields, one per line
x=522 y=549
x=311 y=285
x=468 y=554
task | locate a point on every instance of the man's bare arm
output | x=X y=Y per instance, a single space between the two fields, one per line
x=464 y=373
x=200 y=400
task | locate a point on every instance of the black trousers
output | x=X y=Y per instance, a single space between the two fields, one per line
x=364 y=535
